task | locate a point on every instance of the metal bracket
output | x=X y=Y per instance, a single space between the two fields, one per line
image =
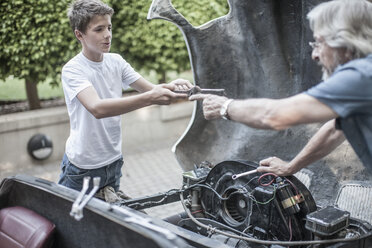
x=79 y=204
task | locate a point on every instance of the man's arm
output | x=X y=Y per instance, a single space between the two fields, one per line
x=320 y=145
x=265 y=113
x=280 y=114
x=151 y=94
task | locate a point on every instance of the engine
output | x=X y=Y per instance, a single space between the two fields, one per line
x=259 y=210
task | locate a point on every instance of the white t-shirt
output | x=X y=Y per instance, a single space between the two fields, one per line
x=94 y=143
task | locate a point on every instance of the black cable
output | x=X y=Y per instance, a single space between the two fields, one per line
x=266 y=242
x=143 y=204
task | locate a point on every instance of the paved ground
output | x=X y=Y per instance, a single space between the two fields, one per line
x=147 y=170
x=151 y=171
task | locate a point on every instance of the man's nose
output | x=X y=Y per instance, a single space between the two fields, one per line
x=315 y=54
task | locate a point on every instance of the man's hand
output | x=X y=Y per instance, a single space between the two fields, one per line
x=211 y=104
x=275 y=165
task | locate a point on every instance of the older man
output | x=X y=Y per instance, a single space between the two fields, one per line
x=343 y=47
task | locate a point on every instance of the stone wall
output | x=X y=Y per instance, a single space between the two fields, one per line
x=141 y=128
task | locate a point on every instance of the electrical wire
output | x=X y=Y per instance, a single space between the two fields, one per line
x=263 y=176
x=241 y=190
x=144 y=204
x=266 y=202
x=254 y=240
x=292 y=184
x=250 y=181
x=265 y=242
x=214 y=191
x=272 y=181
x=290 y=228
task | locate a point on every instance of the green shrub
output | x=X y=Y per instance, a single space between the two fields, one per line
x=35 y=39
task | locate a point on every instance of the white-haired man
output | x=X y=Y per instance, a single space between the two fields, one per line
x=343 y=47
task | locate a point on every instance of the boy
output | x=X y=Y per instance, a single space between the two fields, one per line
x=92 y=82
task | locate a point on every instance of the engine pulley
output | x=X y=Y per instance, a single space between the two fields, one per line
x=264 y=206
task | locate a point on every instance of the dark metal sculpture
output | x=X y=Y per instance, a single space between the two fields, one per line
x=259 y=49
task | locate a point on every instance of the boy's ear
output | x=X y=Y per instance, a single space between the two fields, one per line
x=78 y=34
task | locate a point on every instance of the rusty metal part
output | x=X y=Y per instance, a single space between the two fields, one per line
x=291 y=201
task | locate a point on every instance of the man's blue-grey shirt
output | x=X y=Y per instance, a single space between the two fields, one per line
x=349 y=93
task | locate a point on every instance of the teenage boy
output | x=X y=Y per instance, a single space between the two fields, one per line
x=92 y=82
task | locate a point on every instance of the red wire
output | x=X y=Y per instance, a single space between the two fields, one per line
x=264 y=175
x=292 y=185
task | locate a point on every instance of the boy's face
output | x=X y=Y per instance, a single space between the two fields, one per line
x=97 y=38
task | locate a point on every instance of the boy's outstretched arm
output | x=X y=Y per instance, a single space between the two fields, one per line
x=142 y=85
x=150 y=94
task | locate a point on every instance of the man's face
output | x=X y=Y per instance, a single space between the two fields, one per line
x=327 y=57
x=97 y=37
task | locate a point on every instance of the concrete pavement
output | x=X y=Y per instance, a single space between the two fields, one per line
x=147 y=171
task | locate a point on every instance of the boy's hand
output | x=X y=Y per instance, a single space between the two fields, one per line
x=180 y=84
x=162 y=94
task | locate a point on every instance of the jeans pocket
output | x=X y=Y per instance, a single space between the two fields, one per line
x=117 y=171
x=75 y=176
x=119 y=167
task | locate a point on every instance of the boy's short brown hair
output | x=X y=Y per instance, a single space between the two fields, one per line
x=80 y=12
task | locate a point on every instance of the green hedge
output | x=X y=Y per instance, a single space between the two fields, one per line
x=36 y=39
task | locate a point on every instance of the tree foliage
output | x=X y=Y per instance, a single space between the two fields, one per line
x=36 y=39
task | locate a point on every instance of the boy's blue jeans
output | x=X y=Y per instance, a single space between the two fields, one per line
x=72 y=176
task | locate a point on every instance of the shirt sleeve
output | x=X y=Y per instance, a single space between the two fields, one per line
x=128 y=75
x=73 y=81
x=347 y=92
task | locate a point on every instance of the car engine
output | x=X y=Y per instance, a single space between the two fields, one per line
x=255 y=210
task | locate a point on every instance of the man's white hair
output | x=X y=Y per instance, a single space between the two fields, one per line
x=344 y=23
